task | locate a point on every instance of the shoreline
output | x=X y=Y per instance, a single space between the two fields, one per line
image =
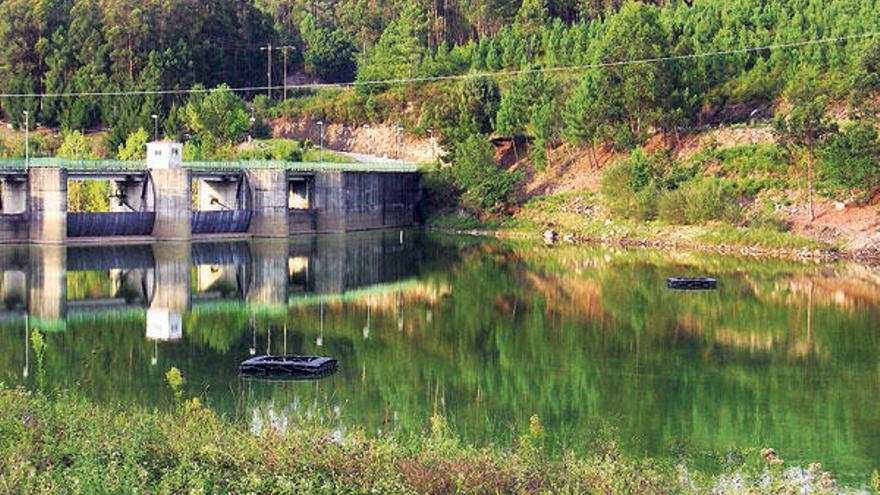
x=552 y=237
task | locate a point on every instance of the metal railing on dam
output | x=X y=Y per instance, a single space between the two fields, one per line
x=19 y=164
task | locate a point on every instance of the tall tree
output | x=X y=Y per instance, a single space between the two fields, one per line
x=329 y=54
x=804 y=124
x=400 y=48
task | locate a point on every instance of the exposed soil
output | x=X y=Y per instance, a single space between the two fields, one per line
x=579 y=169
x=380 y=139
x=856 y=227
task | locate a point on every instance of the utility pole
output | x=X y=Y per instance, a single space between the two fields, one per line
x=268 y=49
x=284 y=51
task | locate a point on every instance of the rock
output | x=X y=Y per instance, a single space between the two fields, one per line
x=550 y=236
x=569 y=238
x=769 y=455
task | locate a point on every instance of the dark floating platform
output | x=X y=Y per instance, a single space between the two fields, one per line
x=692 y=283
x=288 y=367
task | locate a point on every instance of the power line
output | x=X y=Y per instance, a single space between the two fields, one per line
x=455 y=77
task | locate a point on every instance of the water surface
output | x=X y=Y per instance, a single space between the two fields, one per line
x=484 y=332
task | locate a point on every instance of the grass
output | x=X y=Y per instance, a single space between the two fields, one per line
x=62 y=443
x=581 y=214
x=309 y=153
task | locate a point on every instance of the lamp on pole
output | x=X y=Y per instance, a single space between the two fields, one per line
x=321 y=146
x=431 y=136
x=399 y=131
x=155 y=126
x=369 y=140
x=268 y=50
x=251 y=141
x=27 y=147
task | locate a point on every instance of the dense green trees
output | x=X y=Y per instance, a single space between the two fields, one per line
x=217 y=117
x=63 y=46
x=329 y=54
x=400 y=48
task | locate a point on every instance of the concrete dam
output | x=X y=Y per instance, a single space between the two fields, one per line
x=170 y=200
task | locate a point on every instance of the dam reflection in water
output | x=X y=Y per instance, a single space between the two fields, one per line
x=54 y=284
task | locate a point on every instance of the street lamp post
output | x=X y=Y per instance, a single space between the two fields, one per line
x=27 y=147
x=250 y=139
x=369 y=140
x=155 y=126
x=431 y=136
x=399 y=130
x=321 y=146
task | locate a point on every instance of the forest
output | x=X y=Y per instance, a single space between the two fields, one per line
x=725 y=62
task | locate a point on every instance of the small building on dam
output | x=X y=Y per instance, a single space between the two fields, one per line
x=168 y=199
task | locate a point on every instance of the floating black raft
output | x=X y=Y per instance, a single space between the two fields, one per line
x=289 y=367
x=692 y=283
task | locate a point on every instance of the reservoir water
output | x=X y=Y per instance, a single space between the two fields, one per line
x=487 y=333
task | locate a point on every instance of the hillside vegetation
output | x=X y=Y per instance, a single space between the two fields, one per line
x=596 y=77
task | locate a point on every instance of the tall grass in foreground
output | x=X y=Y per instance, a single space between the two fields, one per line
x=62 y=443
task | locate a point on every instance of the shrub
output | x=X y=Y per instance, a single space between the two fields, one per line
x=287 y=150
x=753 y=159
x=852 y=159
x=75 y=146
x=699 y=201
x=484 y=184
x=620 y=184
x=631 y=187
x=765 y=219
x=135 y=147
x=440 y=192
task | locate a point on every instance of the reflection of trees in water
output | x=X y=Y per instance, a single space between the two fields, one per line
x=492 y=335
x=735 y=366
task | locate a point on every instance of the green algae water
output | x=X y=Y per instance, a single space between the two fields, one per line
x=487 y=333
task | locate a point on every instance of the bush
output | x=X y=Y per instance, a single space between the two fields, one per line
x=699 y=201
x=621 y=183
x=485 y=186
x=632 y=187
x=440 y=192
x=135 y=147
x=760 y=159
x=852 y=159
x=75 y=146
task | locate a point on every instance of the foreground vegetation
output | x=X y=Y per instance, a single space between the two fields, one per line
x=64 y=444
